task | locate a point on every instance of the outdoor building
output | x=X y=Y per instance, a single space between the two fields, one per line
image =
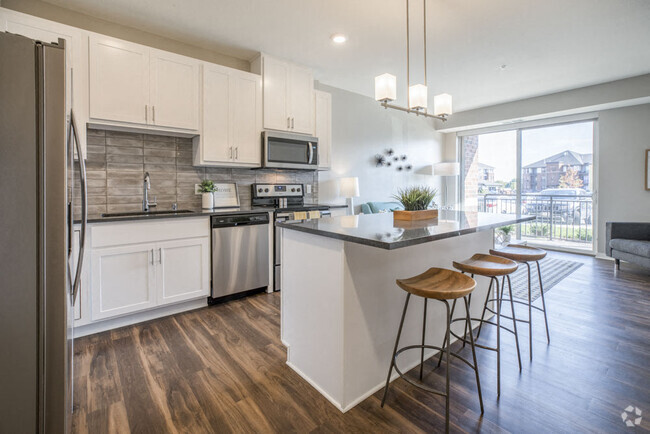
x=485 y=172
x=549 y=172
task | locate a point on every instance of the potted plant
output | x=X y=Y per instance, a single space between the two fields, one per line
x=416 y=202
x=206 y=187
x=505 y=233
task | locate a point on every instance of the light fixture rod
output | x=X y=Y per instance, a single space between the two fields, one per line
x=424 y=2
x=385 y=104
x=408 y=62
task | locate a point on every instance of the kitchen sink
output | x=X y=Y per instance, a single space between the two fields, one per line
x=146 y=213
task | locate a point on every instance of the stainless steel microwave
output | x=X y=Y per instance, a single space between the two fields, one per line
x=289 y=151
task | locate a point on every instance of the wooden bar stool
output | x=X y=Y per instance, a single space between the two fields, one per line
x=525 y=255
x=493 y=267
x=442 y=285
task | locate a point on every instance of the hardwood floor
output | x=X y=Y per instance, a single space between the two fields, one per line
x=222 y=369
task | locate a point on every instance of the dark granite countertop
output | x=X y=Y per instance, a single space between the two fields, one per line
x=379 y=230
x=193 y=212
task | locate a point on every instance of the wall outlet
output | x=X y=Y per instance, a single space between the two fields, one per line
x=197 y=188
x=308 y=187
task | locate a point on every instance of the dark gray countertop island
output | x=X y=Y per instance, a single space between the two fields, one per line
x=379 y=230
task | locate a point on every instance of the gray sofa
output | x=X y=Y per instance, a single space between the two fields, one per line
x=629 y=242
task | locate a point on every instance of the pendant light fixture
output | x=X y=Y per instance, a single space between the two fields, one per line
x=386 y=84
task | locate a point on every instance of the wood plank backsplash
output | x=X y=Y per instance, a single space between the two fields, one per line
x=116 y=162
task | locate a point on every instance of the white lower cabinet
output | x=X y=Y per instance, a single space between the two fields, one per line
x=139 y=266
x=183 y=270
x=123 y=280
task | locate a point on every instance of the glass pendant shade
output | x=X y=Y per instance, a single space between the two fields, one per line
x=385 y=87
x=442 y=104
x=418 y=97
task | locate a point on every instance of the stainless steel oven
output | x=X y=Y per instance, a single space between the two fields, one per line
x=289 y=151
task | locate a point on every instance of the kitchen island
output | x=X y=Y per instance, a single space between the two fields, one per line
x=341 y=306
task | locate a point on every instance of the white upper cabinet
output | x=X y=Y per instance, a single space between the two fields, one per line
x=246 y=110
x=134 y=84
x=119 y=81
x=174 y=90
x=215 y=134
x=231 y=119
x=302 y=100
x=323 y=127
x=76 y=58
x=288 y=95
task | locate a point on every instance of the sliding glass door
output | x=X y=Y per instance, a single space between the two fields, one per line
x=544 y=171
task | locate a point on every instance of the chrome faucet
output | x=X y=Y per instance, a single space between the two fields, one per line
x=145 y=201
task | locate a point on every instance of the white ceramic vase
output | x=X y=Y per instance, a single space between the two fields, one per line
x=207 y=200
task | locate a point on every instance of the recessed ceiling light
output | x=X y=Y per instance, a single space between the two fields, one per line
x=338 y=38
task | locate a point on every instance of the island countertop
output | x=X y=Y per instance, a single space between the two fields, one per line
x=379 y=230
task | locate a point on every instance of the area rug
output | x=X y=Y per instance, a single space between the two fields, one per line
x=553 y=271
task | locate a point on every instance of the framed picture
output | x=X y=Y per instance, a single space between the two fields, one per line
x=647 y=169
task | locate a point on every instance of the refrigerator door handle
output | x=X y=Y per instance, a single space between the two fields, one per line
x=72 y=134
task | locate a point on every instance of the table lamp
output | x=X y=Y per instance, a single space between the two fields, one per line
x=446 y=169
x=349 y=189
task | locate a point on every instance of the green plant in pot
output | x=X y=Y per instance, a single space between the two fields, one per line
x=417 y=202
x=206 y=187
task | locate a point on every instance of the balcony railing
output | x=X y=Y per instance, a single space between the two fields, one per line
x=566 y=219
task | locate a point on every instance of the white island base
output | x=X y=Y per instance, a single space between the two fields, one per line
x=341 y=308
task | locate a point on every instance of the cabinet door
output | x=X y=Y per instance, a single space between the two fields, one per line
x=174 y=92
x=215 y=137
x=183 y=270
x=246 y=113
x=301 y=96
x=123 y=280
x=323 y=127
x=119 y=80
x=276 y=82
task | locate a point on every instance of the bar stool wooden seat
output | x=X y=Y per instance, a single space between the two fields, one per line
x=442 y=285
x=526 y=255
x=493 y=267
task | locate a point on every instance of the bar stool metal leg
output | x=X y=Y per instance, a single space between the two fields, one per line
x=487 y=297
x=496 y=281
x=392 y=360
x=541 y=290
x=424 y=329
x=514 y=321
x=444 y=341
x=448 y=338
x=471 y=341
x=530 y=315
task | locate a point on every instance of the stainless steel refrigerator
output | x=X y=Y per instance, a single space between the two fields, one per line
x=37 y=281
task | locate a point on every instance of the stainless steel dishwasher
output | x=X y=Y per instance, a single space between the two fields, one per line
x=240 y=255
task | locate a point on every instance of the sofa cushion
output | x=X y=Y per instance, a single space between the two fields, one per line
x=635 y=247
x=377 y=207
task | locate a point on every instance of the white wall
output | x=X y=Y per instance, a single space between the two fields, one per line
x=623 y=137
x=361 y=129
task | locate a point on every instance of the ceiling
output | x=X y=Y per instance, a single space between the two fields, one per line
x=546 y=46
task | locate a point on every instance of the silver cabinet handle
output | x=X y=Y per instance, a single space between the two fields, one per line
x=151 y=256
x=160 y=255
x=153 y=113
x=230 y=152
x=292 y=119
x=237 y=153
x=288 y=122
x=146 y=114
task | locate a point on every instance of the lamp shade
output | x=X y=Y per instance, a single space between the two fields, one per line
x=442 y=104
x=386 y=87
x=451 y=168
x=349 y=187
x=418 y=97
